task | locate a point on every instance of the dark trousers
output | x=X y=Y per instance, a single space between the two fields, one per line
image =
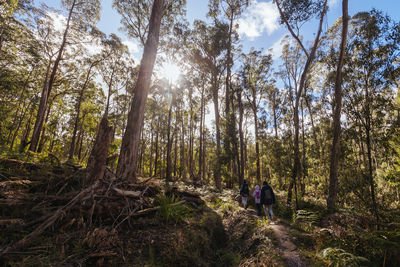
x=258 y=206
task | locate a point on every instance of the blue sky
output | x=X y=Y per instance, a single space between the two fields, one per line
x=259 y=27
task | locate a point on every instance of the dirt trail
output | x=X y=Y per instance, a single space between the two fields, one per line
x=289 y=250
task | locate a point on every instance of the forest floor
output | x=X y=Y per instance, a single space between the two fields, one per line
x=51 y=217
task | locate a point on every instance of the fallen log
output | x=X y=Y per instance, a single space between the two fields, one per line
x=126 y=193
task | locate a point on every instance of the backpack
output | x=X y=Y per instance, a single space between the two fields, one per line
x=245 y=190
x=258 y=194
x=268 y=195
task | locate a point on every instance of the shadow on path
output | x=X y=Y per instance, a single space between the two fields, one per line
x=290 y=253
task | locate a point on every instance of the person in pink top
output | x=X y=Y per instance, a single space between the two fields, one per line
x=257 y=197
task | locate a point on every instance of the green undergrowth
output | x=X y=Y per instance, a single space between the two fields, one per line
x=347 y=238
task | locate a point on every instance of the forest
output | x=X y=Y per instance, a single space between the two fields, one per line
x=96 y=144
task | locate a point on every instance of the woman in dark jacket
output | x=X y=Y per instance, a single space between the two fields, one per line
x=267 y=199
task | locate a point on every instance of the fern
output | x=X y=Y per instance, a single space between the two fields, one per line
x=172 y=213
x=339 y=257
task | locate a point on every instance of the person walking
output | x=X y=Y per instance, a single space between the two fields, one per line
x=257 y=198
x=244 y=192
x=267 y=199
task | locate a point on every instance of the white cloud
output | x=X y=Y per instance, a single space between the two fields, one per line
x=93 y=47
x=277 y=48
x=133 y=47
x=260 y=17
x=58 y=20
x=333 y=3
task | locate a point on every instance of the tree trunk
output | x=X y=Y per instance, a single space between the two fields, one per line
x=310 y=58
x=78 y=111
x=217 y=166
x=191 y=137
x=169 y=146
x=201 y=133
x=175 y=146
x=24 y=139
x=258 y=173
x=369 y=154
x=43 y=133
x=48 y=87
x=335 y=152
x=157 y=147
x=274 y=105
x=182 y=158
x=126 y=168
x=97 y=160
x=41 y=111
x=241 y=137
x=21 y=119
x=304 y=159
x=229 y=123
x=151 y=149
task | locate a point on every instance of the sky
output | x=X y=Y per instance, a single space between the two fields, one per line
x=258 y=27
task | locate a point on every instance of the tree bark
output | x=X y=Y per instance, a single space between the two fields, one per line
x=217 y=166
x=157 y=147
x=126 y=168
x=98 y=157
x=169 y=145
x=78 y=111
x=241 y=137
x=201 y=133
x=374 y=207
x=182 y=157
x=335 y=152
x=151 y=149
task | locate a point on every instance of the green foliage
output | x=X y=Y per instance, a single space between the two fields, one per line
x=169 y=211
x=262 y=222
x=340 y=258
x=307 y=218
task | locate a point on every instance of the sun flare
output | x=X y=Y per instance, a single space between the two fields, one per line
x=170 y=71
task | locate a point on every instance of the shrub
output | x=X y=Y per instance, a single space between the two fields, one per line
x=170 y=211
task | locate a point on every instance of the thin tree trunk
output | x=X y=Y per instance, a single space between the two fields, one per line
x=78 y=111
x=310 y=58
x=335 y=153
x=24 y=139
x=175 y=147
x=258 y=173
x=241 y=137
x=151 y=149
x=169 y=145
x=182 y=158
x=48 y=87
x=157 y=148
x=274 y=106
x=304 y=160
x=191 y=126
x=43 y=133
x=217 y=166
x=317 y=144
x=126 y=168
x=201 y=133
x=369 y=155
x=21 y=119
